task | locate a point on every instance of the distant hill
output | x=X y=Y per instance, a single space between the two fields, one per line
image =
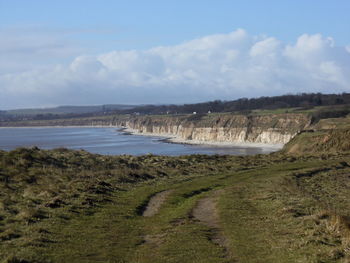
x=69 y=109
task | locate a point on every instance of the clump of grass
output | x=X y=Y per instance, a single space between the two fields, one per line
x=340 y=225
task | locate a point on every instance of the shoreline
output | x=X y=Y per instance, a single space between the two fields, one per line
x=166 y=138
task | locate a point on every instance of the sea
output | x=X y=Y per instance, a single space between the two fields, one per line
x=111 y=141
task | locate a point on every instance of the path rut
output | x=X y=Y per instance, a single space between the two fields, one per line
x=155 y=203
x=206 y=212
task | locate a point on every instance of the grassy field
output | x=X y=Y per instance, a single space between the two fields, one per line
x=72 y=206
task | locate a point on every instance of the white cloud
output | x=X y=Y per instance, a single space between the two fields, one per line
x=268 y=46
x=310 y=49
x=222 y=66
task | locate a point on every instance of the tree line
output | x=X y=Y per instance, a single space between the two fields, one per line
x=304 y=100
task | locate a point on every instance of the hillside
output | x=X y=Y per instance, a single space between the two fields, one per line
x=327 y=135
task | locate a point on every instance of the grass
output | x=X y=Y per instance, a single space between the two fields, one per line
x=72 y=206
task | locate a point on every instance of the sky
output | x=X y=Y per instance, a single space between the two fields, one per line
x=135 y=52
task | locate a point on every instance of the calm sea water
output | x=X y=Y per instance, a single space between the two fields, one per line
x=108 y=141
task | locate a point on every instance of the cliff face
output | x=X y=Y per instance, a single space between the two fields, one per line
x=267 y=129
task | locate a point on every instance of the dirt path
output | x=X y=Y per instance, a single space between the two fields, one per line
x=155 y=203
x=206 y=212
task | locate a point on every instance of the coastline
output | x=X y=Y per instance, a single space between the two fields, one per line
x=167 y=138
x=170 y=138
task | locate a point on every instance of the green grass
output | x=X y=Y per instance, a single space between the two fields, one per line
x=72 y=206
x=268 y=220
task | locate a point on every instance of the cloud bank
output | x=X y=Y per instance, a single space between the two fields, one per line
x=222 y=66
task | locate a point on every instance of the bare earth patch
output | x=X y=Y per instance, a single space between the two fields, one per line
x=207 y=213
x=155 y=203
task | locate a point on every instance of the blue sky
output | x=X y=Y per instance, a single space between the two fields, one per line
x=144 y=24
x=49 y=36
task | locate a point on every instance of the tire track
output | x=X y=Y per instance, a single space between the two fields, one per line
x=206 y=213
x=155 y=203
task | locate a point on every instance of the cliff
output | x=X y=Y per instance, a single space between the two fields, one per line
x=223 y=128
x=211 y=128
